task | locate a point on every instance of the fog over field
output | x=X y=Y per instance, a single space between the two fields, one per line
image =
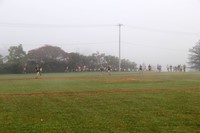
x=152 y=31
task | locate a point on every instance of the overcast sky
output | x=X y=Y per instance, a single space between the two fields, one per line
x=153 y=31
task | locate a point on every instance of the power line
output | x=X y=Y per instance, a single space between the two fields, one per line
x=89 y=43
x=29 y=25
x=163 y=30
x=26 y=25
x=150 y=46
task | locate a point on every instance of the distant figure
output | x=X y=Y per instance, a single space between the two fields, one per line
x=159 y=68
x=101 y=68
x=37 y=70
x=170 y=67
x=175 y=68
x=140 y=68
x=25 y=68
x=109 y=69
x=40 y=71
x=66 y=69
x=149 y=67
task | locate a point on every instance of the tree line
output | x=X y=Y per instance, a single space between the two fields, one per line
x=54 y=59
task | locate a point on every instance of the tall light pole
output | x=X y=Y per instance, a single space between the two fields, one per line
x=120 y=46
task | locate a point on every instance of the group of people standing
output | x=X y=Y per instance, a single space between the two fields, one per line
x=170 y=68
x=178 y=68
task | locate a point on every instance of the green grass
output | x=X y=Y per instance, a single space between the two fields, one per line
x=171 y=105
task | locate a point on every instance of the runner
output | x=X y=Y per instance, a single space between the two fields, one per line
x=109 y=69
x=37 y=70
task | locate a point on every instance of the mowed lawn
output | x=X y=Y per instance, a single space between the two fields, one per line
x=100 y=103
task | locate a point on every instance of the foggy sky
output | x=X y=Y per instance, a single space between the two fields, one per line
x=153 y=31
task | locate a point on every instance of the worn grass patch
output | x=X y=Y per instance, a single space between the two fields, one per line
x=78 y=103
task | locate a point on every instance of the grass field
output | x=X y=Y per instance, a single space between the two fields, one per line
x=99 y=103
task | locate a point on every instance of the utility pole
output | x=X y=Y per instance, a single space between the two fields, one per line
x=120 y=46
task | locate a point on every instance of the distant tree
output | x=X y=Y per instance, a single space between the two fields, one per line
x=112 y=61
x=16 y=54
x=54 y=59
x=126 y=64
x=96 y=60
x=1 y=64
x=77 y=60
x=194 y=56
x=51 y=58
x=16 y=59
x=48 y=52
x=1 y=59
x=100 y=58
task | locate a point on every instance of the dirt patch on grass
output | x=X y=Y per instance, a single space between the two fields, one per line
x=62 y=78
x=101 y=92
x=101 y=78
x=130 y=80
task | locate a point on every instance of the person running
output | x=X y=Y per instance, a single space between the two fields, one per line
x=37 y=70
x=109 y=69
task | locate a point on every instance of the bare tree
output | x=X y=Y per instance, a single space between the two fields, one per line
x=194 y=56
